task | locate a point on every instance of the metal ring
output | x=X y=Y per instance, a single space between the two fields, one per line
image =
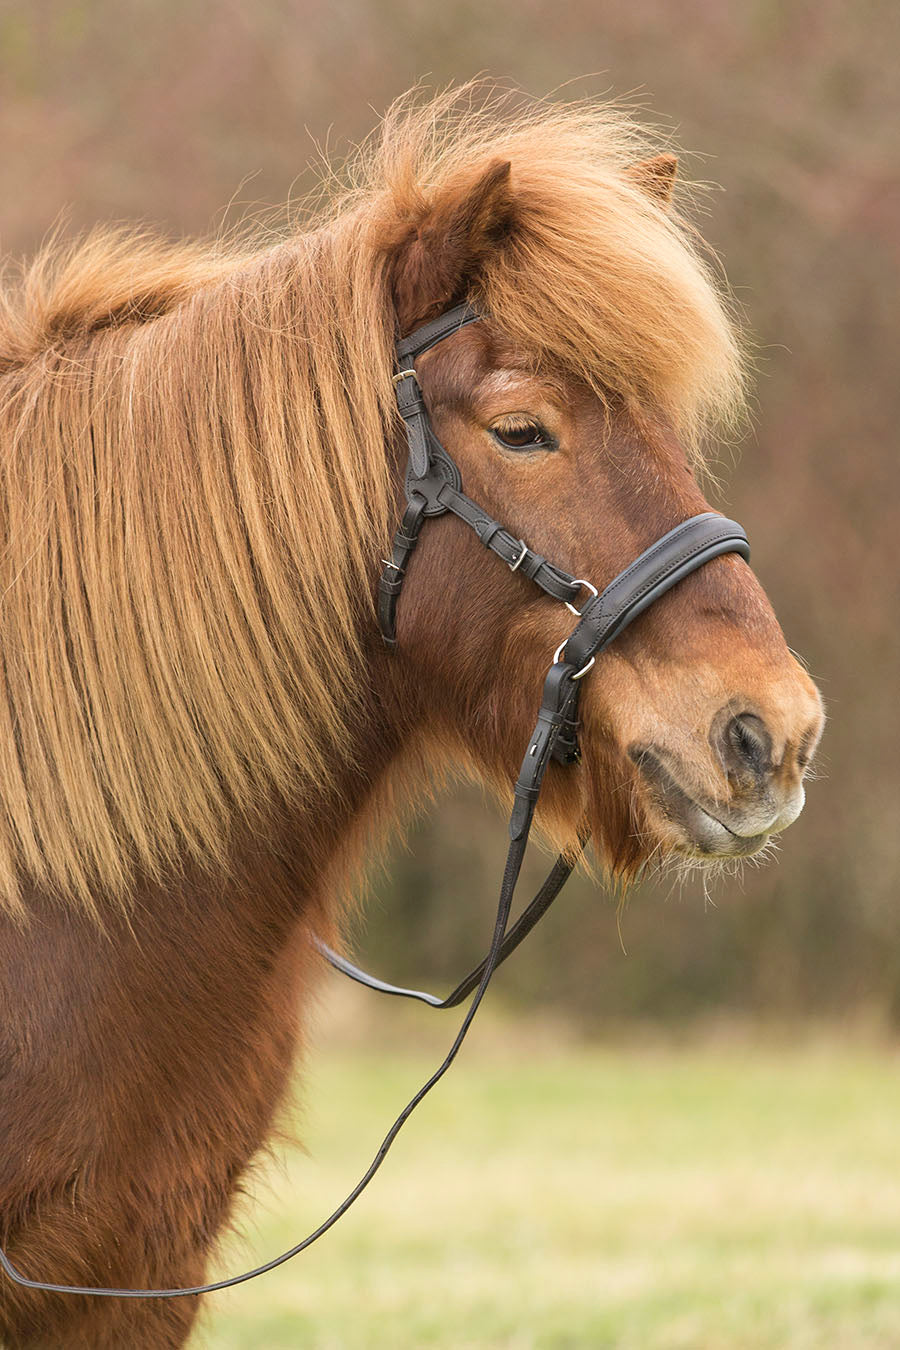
x=402 y=374
x=584 y=669
x=594 y=593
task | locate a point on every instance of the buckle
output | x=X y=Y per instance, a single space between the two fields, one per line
x=402 y=375
x=512 y=566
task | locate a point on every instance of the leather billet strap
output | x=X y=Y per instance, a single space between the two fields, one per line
x=411 y=407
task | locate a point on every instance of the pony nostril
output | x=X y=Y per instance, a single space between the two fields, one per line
x=746 y=744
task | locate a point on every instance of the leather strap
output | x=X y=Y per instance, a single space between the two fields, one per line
x=535 y=909
x=391 y=580
x=514 y=552
x=411 y=406
x=430 y=334
x=560 y=693
x=443 y=496
x=657 y=570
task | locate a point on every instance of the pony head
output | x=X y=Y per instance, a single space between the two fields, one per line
x=577 y=412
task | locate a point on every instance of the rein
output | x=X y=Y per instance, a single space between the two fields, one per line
x=433 y=486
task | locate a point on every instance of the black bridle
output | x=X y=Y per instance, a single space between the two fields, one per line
x=434 y=486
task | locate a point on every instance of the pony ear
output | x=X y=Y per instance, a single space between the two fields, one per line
x=655 y=176
x=435 y=263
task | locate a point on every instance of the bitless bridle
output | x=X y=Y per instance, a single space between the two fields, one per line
x=434 y=486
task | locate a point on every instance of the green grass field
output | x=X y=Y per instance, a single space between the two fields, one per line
x=554 y=1195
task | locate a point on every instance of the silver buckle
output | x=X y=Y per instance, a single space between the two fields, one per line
x=513 y=566
x=402 y=375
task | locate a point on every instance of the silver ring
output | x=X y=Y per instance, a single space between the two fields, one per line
x=401 y=375
x=587 y=585
x=584 y=669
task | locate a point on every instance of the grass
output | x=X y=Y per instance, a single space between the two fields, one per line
x=554 y=1195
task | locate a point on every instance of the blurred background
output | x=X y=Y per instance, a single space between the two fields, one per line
x=198 y=113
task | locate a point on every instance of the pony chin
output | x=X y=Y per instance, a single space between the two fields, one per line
x=623 y=832
x=623 y=839
x=601 y=793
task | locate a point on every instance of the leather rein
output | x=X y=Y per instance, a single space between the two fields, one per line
x=434 y=486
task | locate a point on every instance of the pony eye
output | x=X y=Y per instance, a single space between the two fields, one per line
x=521 y=433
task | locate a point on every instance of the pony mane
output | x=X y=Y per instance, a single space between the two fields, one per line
x=194 y=437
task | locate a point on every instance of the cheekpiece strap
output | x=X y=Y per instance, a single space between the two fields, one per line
x=410 y=403
x=433 y=476
x=391 y=581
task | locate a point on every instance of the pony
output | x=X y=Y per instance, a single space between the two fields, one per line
x=203 y=736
